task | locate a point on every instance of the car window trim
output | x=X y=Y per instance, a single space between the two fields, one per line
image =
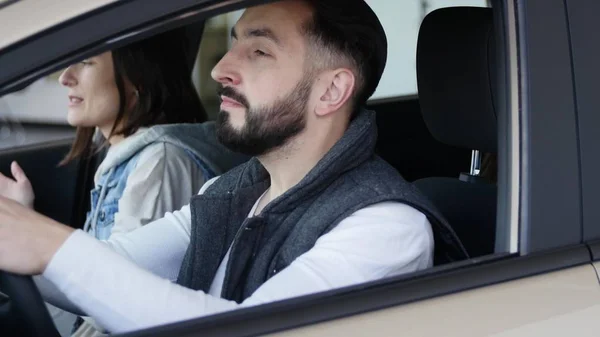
x=584 y=56
x=7 y=3
x=594 y=249
x=394 y=99
x=549 y=133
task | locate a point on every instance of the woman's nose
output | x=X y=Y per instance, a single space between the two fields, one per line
x=67 y=79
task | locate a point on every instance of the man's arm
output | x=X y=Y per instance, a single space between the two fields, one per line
x=158 y=247
x=378 y=241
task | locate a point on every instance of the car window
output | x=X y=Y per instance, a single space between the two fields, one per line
x=35 y=114
x=44 y=101
x=401 y=20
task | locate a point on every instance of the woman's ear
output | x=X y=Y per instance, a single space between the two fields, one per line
x=134 y=99
x=339 y=88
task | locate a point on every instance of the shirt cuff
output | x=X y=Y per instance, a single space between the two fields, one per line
x=68 y=257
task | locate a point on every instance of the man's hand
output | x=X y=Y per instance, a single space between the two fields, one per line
x=28 y=240
x=19 y=188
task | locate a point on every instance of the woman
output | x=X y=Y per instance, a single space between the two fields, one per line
x=128 y=96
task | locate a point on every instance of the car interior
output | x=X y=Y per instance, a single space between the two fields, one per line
x=456 y=89
x=436 y=139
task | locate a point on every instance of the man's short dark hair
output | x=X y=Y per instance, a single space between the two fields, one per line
x=348 y=31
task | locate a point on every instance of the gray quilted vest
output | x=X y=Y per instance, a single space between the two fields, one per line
x=349 y=177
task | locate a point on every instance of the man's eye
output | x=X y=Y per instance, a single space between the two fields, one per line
x=85 y=62
x=259 y=52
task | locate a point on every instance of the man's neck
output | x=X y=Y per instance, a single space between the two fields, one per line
x=288 y=165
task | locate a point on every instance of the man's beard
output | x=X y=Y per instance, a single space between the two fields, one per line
x=265 y=128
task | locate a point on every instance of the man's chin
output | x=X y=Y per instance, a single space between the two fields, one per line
x=234 y=121
x=236 y=141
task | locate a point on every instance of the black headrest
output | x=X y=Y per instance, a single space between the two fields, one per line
x=456 y=76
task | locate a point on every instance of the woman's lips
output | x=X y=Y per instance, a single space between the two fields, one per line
x=74 y=100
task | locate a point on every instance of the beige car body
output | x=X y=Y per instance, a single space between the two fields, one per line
x=561 y=303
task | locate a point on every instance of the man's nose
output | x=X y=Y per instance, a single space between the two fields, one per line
x=226 y=71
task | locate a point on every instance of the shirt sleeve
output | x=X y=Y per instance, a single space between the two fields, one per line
x=158 y=247
x=164 y=179
x=382 y=240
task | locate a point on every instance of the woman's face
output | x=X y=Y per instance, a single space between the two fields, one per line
x=93 y=94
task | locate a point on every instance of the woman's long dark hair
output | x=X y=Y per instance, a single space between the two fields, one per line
x=158 y=69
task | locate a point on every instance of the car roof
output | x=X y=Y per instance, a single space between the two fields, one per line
x=25 y=18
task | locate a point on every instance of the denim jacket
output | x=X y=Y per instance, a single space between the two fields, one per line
x=197 y=140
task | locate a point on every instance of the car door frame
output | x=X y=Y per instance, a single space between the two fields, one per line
x=586 y=72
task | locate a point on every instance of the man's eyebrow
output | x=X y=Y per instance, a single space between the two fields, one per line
x=257 y=32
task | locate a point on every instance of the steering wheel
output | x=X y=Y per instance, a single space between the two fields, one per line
x=24 y=312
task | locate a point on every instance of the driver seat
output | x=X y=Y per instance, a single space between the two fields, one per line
x=456 y=77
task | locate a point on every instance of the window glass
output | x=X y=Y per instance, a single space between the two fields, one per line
x=44 y=101
x=36 y=114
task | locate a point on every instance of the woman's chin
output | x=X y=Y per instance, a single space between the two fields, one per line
x=75 y=121
x=72 y=122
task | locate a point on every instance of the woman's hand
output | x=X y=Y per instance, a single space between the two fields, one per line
x=18 y=189
x=28 y=240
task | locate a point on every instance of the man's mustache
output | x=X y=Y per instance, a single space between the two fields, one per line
x=233 y=94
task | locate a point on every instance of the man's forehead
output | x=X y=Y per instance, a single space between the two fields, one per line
x=284 y=17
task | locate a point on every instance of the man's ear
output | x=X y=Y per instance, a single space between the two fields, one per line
x=339 y=85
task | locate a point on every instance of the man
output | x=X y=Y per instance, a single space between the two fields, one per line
x=315 y=209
